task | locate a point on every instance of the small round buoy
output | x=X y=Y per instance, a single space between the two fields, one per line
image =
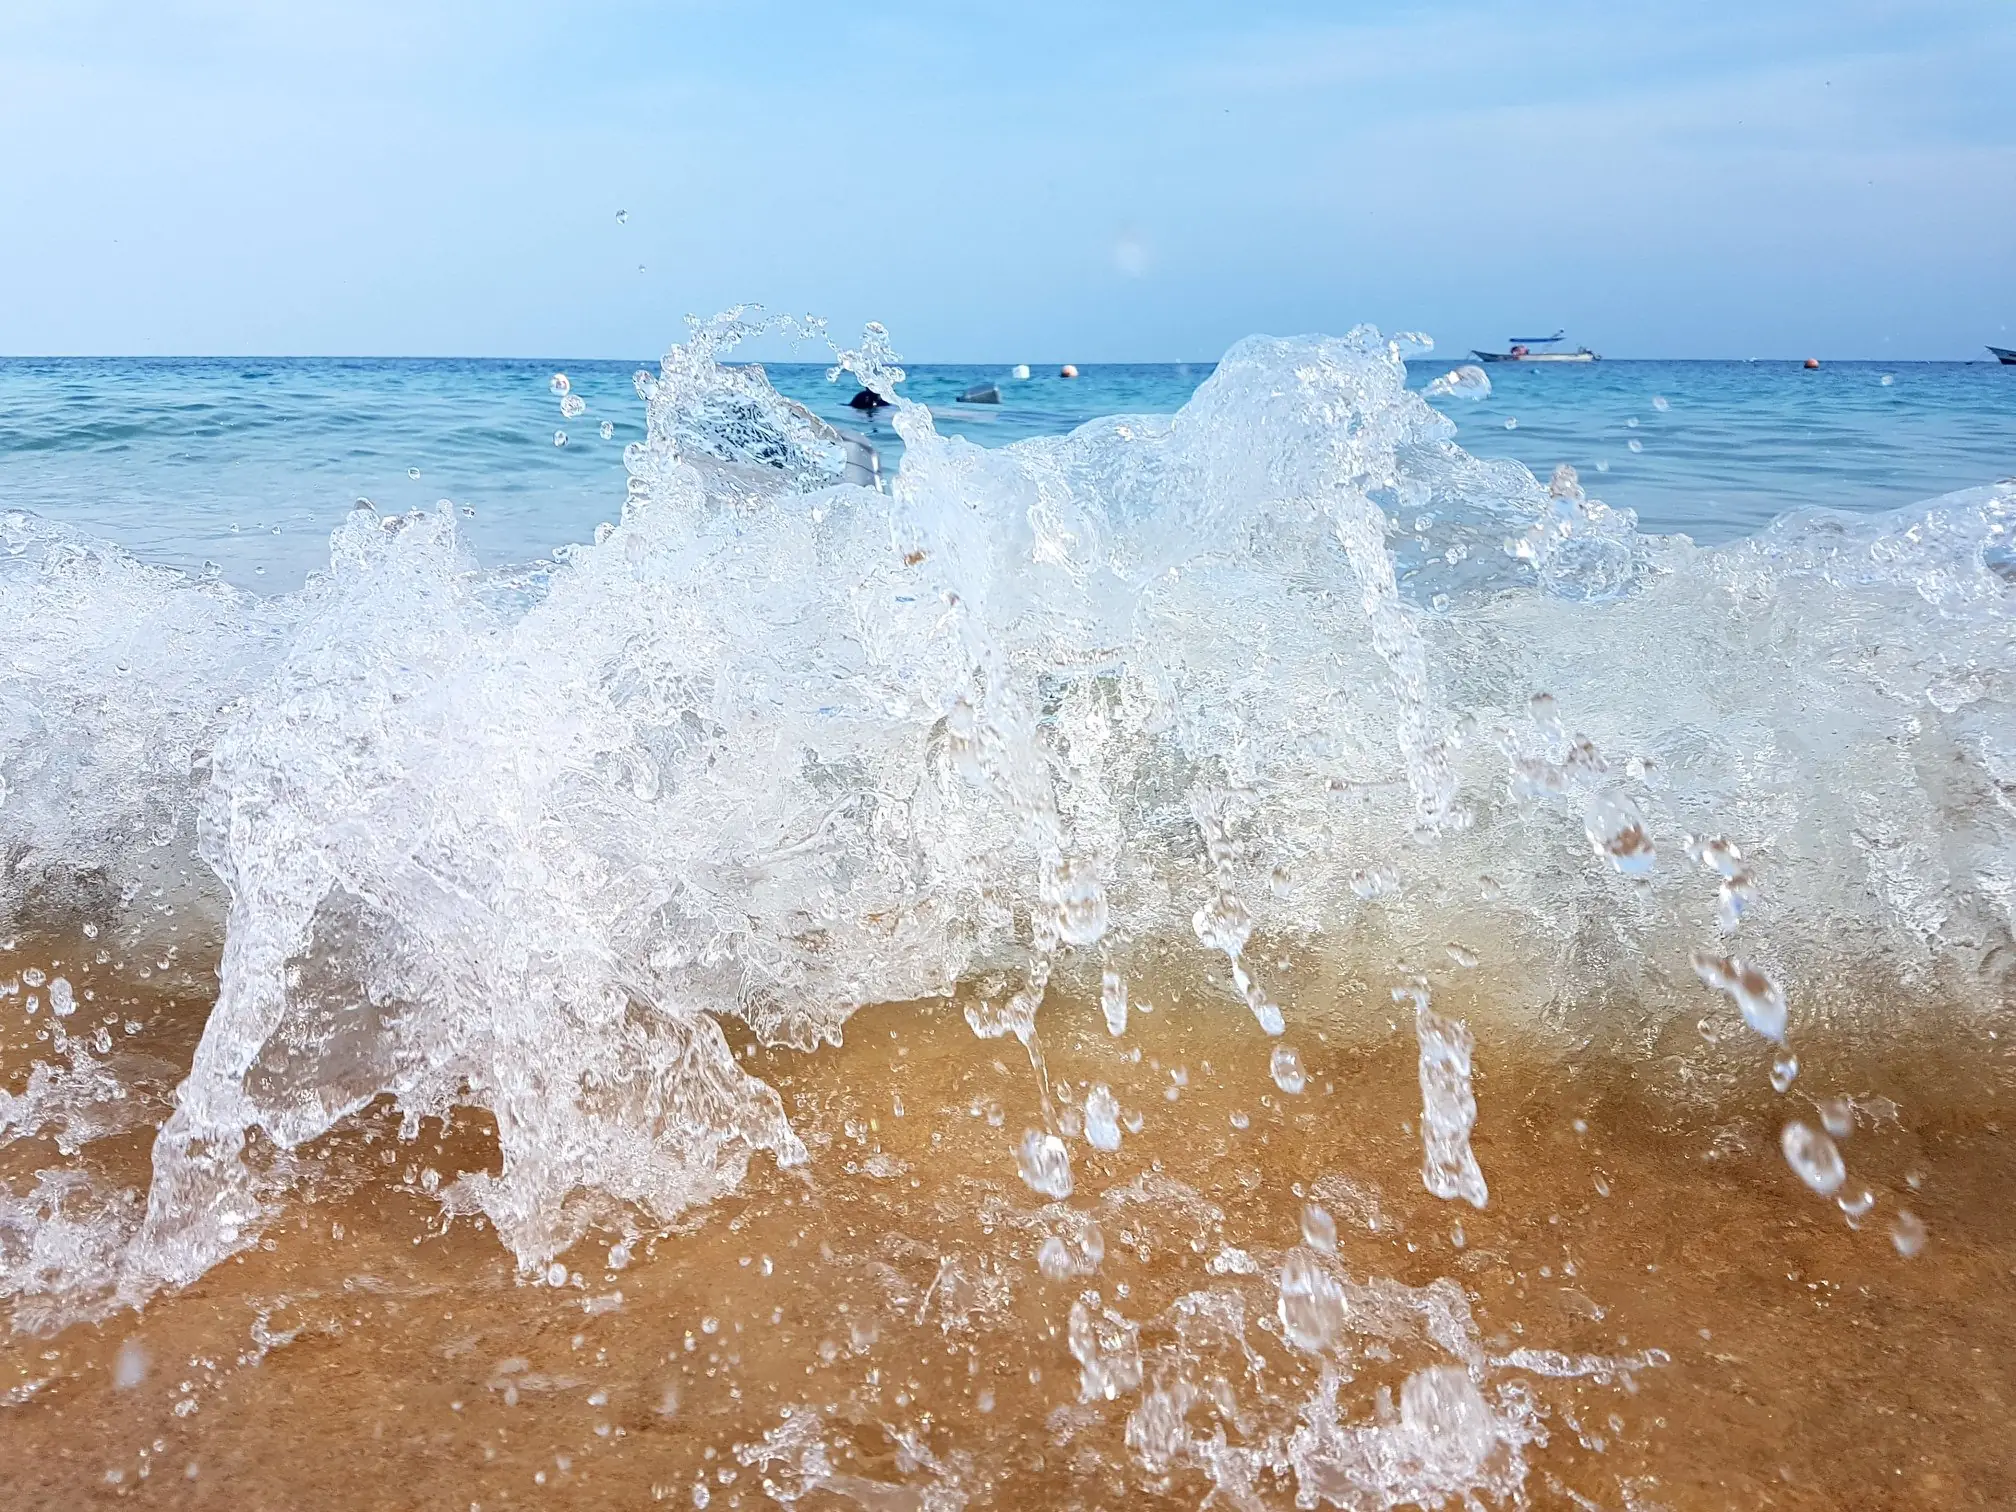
x=1067 y=371
x=1812 y=362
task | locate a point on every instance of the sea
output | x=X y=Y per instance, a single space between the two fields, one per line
x=250 y=463
x=1333 y=927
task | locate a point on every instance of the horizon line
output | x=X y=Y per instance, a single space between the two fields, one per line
x=906 y=361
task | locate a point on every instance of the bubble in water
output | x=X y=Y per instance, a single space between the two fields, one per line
x=1659 y=402
x=62 y=1001
x=1045 y=1164
x=1287 y=1068
x=559 y=438
x=1784 y=1069
x=573 y=405
x=1462 y=955
x=1812 y=1155
x=1616 y=830
x=1907 y=1232
x=1319 y=1229
x=1761 y=999
x=1837 y=1116
x=1466 y=382
x=34 y=976
x=1102 y=1118
x=608 y=430
x=1311 y=1305
x=559 y=384
x=556 y=1274
x=1113 y=1001
x=129 y=1368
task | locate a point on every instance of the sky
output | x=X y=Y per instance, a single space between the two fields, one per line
x=1035 y=181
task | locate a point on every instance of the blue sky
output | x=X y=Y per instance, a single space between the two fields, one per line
x=1031 y=181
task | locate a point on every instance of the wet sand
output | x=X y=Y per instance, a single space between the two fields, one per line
x=365 y=1355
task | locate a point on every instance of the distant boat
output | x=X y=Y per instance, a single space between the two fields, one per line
x=2003 y=354
x=1522 y=350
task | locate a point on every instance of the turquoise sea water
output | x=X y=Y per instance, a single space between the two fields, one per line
x=251 y=462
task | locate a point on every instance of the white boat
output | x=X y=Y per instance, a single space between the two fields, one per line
x=1525 y=349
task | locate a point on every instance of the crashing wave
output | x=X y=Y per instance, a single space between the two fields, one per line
x=1285 y=664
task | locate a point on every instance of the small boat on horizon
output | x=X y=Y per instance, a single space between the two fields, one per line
x=1522 y=350
x=2003 y=354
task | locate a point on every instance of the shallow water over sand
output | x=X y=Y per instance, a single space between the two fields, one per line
x=1668 y=1316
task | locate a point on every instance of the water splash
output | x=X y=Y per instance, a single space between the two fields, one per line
x=777 y=745
x=1449 y=1167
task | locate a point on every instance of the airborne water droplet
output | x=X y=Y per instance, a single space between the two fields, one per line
x=1319 y=1229
x=559 y=438
x=1616 y=831
x=1761 y=1000
x=573 y=405
x=622 y=217
x=1311 y=1305
x=1045 y=1164
x=1812 y=1155
x=129 y=1369
x=1113 y=1001
x=1102 y=1118
x=559 y=384
x=1287 y=1068
x=1907 y=1232
x=1375 y=882
x=1054 y=1259
x=608 y=430
x=1837 y=1116
x=1784 y=1069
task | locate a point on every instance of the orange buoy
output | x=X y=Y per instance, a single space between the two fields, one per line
x=1812 y=362
x=1067 y=371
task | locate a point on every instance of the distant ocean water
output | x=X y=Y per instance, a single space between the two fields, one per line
x=250 y=463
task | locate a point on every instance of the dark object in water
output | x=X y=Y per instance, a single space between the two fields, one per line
x=985 y=393
x=867 y=400
x=2003 y=354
